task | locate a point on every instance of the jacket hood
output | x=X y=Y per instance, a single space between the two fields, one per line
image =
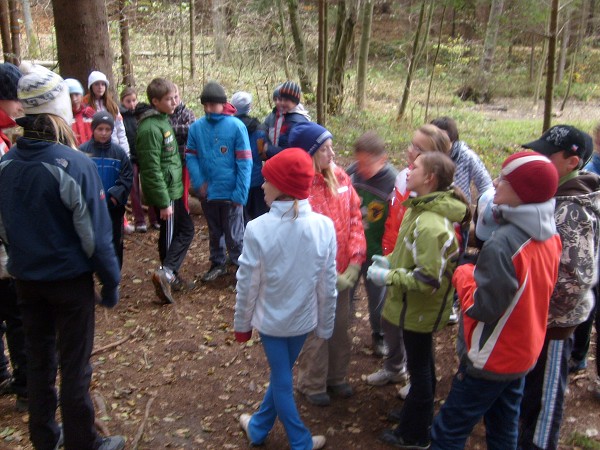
x=443 y=203
x=299 y=109
x=144 y=110
x=535 y=219
x=251 y=123
x=126 y=112
x=583 y=189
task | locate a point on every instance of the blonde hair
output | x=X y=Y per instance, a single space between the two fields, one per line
x=55 y=126
x=438 y=139
x=440 y=165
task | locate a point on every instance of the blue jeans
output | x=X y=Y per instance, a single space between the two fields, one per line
x=470 y=399
x=279 y=401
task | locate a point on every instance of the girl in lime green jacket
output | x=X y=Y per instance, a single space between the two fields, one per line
x=419 y=274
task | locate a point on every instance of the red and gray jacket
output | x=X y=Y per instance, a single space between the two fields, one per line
x=505 y=297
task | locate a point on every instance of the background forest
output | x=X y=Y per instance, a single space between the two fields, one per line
x=388 y=65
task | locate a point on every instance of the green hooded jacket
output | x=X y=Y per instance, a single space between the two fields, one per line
x=420 y=291
x=158 y=159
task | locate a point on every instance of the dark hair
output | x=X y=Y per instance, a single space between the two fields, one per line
x=126 y=92
x=158 y=88
x=370 y=143
x=440 y=165
x=448 y=125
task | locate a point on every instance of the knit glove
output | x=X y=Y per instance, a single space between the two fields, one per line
x=380 y=261
x=348 y=279
x=109 y=296
x=243 y=336
x=378 y=275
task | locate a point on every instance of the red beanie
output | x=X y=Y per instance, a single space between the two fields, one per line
x=532 y=176
x=291 y=171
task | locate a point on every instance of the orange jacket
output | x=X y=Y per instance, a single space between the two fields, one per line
x=344 y=210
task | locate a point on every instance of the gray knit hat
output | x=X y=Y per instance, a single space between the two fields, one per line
x=242 y=101
x=9 y=78
x=103 y=117
x=213 y=92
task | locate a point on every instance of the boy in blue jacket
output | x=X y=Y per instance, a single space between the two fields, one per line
x=115 y=171
x=219 y=160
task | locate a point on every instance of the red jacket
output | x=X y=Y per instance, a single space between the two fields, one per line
x=396 y=212
x=505 y=298
x=82 y=124
x=5 y=122
x=344 y=210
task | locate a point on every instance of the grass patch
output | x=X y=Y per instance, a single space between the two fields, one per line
x=581 y=441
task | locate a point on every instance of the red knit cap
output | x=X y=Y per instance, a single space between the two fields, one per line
x=532 y=176
x=291 y=171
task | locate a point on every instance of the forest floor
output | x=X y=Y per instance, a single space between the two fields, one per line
x=173 y=376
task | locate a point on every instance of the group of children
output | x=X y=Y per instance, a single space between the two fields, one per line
x=301 y=231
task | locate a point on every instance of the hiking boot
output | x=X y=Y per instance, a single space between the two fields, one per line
x=403 y=393
x=318 y=442
x=390 y=438
x=343 y=390
x=180 y=285
x=320 y=399
x=162 y=285
x=384 y=376
x=141 y=228
x=112 y=443
x=577 y=365
x=215 y=271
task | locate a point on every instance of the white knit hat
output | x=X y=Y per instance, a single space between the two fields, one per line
x=97 y=76
x=43 y=91
x=74 y=85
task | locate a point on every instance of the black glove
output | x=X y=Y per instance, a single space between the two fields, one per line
x=109 y=296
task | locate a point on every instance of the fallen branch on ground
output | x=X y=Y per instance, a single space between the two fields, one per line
x=117 y=343
x=140 y=431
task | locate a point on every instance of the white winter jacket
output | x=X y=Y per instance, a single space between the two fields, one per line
x=287 y=275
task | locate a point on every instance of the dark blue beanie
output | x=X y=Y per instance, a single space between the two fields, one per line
x=309 y=136
x=9 y=78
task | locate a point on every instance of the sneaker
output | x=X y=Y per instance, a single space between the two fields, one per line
x=379 y=346
x=384 y=376
x=244 y=423
x=403 y=393
x=318 y=442
x=141 y=228
x=390 y=438
x=112 y=443
x=577 y=365
x=156 y=226
x=215 y=271
x=181 y=285
x=453 y=319
x=320 y=399
x=343 y=390
x=128 y=229
x=395 y=415
x=162 y=285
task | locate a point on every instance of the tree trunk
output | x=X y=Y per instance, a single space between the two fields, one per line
x=286 y=66
x=550 y=69
x=126 y=67
x=363 y=54
x=218 y=16
x=435 y=57
x=322 y=62
x=339 y=29
x=305 y=82
x=489 y=47
x=335 y=84
x=15 y=30
x=411 y=64
x=574 y=58
x=532 y=58
x=591 y=25
x=5 y=29
x=192 y=39
x=564 y=46
x=77 y=22
x=32 y=40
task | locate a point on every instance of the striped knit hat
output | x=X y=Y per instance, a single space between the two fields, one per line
x=42 y=91
x=291 y=91
x=532 y=176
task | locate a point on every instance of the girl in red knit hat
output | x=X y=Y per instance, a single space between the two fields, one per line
x=285 y=289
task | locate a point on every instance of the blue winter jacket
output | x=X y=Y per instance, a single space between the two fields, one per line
x=218 y=154
x=114 y=169
x=53 y=216
x=594 y=164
